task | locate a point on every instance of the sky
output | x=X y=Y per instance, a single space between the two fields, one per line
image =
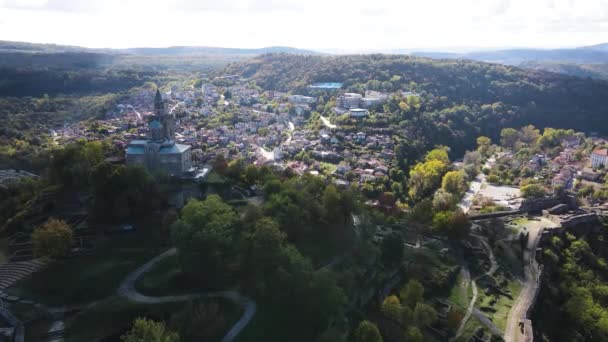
x=349 y=25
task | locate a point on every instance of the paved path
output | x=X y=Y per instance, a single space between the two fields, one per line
x=327 y=123
x=471 y=308
x=127 y=290
x=531 y=284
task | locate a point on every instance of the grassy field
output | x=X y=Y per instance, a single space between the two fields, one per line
x=165 y=278
x=461 y=293
x=111 y=318
x=88 y=278
x=502 y=306
x=3 y=251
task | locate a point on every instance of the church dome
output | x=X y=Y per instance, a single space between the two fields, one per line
x=155 y=130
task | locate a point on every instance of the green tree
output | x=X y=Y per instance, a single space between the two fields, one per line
x=508 y=137
x=391 y=308
x=412 y=293
x=532 y=190
x=454 y=182
x=483 y=145
x=367 y=332
x=413 y=334
x=392 y=248
x=52 y=239
x=453 y=224
x=145 y=330
x=205 y=237
x=424 y=314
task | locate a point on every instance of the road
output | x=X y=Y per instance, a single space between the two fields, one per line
x=127 y=290
x=531 y=284
x=327 y=123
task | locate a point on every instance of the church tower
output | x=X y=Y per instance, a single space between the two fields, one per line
x=166 y=120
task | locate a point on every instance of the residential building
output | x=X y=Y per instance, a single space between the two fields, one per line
x=599 y=158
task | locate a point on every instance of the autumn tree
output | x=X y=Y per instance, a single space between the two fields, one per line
x=52 y=239
x=146 y=330
x=391 y=308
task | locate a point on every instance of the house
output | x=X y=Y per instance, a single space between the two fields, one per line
x=349 y=100
x=571 y=142
x=599 y=158
x=300 y=99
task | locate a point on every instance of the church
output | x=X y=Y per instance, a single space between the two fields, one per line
x=159 y=152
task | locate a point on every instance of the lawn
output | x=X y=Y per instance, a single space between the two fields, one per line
x=89 y=278
x=164 y=279
x=108 y=320
x=3 y=251
x=502 y=306
x=461 y=292
x=111 y=318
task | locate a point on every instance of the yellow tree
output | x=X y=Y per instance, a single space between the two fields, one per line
x=52 y=239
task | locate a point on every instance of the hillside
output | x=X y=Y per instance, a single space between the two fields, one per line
x=590 y=61
x=459 y=98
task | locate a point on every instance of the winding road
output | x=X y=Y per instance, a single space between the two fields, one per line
x=471 y=310
x=128 y=291
x=531 y=284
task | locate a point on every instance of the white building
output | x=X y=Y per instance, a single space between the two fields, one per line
x=358 y=112
x=349 y=100
x=599 y=158
x=300 y=99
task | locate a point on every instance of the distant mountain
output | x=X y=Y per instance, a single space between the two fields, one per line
x=24 y=47
x=519 y=56
x=598 y=47
x=195 y=50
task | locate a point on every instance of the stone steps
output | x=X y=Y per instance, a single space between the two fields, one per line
x=12 y=272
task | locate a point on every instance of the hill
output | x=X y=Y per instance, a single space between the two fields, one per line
x=24 y=47
x=595 y=54
x=460 y=99
x=598 y=47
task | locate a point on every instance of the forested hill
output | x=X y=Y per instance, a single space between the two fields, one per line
x=482 y=95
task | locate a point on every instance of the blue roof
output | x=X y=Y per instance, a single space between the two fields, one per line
x=135 y=150
x=326 y=85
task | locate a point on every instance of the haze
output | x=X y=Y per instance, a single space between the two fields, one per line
x=354 y=25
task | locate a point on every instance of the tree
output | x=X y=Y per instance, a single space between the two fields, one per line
x=483 y=145
x=532 y=190
x=413 y=334
x=453 y=224
x=392 y=248
x=454 y=182
x=204 y=237
x=367 y=332
x=440 y=154
x=391 y=308
x=424 y=314
x=508 y=137
x=412 y=293
x=529 y=134
x=145 y=330
x=52 y=239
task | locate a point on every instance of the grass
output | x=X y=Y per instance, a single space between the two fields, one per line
x=89 y=278
x=3 y=250
x=108 y=320
x=472 y=325
x=502 y=306
x=111 y=318
x=456 y=294
x=164 y=279
x=270 y=323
